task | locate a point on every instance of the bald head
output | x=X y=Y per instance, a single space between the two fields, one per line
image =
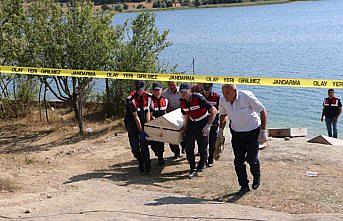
x=229 y=92
x=233 y=86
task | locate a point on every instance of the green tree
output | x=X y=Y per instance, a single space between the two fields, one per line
x=197 y=3
x=138 y=53
x=157 y=4
x=169 y=4
x=119 y=7
x=16 y=92
x=140 y=6
x=185 y=2
x=74 y=39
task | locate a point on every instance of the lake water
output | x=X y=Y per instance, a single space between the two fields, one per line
x=301 y=39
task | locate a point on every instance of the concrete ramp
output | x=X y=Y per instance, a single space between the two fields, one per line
x=321 y=139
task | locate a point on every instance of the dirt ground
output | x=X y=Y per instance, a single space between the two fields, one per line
x=40 y=161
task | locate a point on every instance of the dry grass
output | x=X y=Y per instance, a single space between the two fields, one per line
x=34 y=133
x=7 y=185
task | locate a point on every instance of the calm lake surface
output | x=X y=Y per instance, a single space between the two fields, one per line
x=301 y=39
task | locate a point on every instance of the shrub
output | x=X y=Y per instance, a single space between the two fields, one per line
x=140 y=6
x=119 y=7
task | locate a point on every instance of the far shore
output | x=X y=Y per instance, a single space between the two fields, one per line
x=243 y=4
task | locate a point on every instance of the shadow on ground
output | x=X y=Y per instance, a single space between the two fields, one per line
x=127 y=173
x=230 y=197
x=13 y=140
x=179 y=200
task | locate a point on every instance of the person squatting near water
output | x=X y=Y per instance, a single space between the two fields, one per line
x=197 y=123
x=248 y=129
x=332 y=108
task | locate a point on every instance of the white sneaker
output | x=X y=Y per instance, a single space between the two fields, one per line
x=193 y=174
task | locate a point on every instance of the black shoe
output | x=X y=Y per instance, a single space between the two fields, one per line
x=141 y=167
x=200 y=168
x=242 y=191
x=256 y=183
x=176 y=156
x=209 y=163
x=161 y=162
x=192 y=174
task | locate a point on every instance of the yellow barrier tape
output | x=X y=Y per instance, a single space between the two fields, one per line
x=243 y=80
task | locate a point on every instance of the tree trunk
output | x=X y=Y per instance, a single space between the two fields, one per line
x=39 y=101
x=77 y=106
x=108 y=107
x=3 y=110
x=46 y=105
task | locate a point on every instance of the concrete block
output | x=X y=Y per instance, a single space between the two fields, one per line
x=287 y=132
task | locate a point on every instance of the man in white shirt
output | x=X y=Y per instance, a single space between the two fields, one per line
x=248 y=129
x=173 y=96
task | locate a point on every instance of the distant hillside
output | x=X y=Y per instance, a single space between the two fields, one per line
x=136 y=5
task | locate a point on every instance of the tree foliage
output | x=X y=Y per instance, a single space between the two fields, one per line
x=162 y=4
x=74 y=37
x=139 y=52
x=16 y=92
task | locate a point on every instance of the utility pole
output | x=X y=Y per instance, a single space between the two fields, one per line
x=193 y=65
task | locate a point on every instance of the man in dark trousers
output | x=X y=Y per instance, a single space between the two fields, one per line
x=248 y=120
x=197 y=122
x=137 y=113
x=213 y=98
x=158 y=108
x=332 y=108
